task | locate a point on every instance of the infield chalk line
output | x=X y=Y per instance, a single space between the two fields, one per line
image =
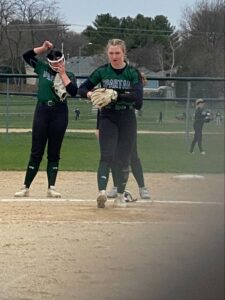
x=21 y=130
x=58 y=222
x=61 y=200
x=98 y=222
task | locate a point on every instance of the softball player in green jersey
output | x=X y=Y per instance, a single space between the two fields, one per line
x=136 y=169
x=117 y=120
x=51 y=114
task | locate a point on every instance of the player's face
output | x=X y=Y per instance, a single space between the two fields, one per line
x=55 y=65
x=116 y=56
x=201 y=104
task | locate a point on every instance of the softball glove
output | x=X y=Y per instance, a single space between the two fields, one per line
x=208 y=117
x=59 y=87
x=128 y=197
x=102 y=97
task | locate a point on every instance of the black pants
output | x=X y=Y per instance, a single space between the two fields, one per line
x=117 y=134
x=49 y=127
x=197 y=138
x=136 y=167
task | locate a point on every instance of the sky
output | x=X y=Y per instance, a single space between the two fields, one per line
x=81 y=13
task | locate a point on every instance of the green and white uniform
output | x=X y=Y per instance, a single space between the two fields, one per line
x=117 y=121
x=50 y=120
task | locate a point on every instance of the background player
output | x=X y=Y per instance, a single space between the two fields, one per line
x=199 y=120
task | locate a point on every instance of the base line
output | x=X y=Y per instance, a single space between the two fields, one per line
x=64 y=200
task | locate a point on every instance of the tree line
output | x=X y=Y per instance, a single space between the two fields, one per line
x=196 y=49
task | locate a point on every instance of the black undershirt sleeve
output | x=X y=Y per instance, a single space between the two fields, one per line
x=30 y=58
x=85 y=87
x=135 y=95
x=72 y=88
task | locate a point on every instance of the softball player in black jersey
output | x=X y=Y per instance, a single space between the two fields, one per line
x=117 y=126
x=51 y=114
x=199 y=120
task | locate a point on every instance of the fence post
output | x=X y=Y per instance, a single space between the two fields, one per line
x=7 y=105
x=188 y=112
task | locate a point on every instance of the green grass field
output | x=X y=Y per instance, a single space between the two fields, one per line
x=17 y=112
x=159 y=153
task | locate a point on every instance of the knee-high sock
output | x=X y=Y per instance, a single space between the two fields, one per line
x=52 y=171
x=103 y=175
x=137 y=171
x=31 y=172
x=114 y=174
x=122 y=178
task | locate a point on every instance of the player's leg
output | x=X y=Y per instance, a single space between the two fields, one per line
x=113 y=192
x=136 y=166
x=127 y=132
x=108 y=136
x=195 y=139
x=137 y=170
x=39 y=139
x=56 y=132
x=200 y=142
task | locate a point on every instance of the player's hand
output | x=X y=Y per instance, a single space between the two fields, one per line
x=47 y=45
x=61 y=69
x=102 y=97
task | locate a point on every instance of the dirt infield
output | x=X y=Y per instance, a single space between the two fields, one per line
x=171 y=247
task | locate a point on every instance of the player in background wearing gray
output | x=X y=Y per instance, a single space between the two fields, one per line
x=199 y=120
x=117 y=126
x=51 y=114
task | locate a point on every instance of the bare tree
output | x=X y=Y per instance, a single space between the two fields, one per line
x=202 y=30
x=202 y=50
x=73 y=42
x=25 y=23
x=6 y=16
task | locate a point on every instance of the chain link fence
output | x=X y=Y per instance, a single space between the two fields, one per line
x=169 y=106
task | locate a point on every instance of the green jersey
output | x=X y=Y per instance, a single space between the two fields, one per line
x=122 y=81
x=45 y=82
